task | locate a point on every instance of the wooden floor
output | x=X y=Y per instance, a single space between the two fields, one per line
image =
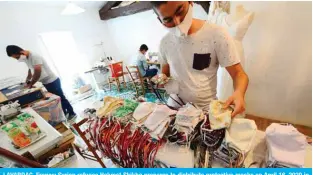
x=263 y=123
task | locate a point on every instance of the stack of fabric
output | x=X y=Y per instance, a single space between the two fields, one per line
x=158 y=121
x=109 y=106
x=124 y=112
x=286 y=146
x=237 y=143
x=182 y=129
x=142 y=112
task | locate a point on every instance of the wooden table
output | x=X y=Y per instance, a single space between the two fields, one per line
x=153 y=63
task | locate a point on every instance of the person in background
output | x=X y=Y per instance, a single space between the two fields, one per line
x=141 y=62
x=191 y=53
x=38 y=70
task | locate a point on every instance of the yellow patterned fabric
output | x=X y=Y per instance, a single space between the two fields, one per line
x=110 y=105
x=218 y=116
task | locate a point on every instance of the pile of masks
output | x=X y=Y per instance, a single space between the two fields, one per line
x=286 y=146
x=224 y=140
x=183 y=128
x=237 y=143
x=153 y=118
x=212 y=133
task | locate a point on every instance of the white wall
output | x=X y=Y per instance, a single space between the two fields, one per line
x=21 y=22
x=130 y=32
x=279 y=60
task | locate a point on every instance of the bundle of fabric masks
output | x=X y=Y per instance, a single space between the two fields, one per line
x=224 y=141
x=153 y=118
x=237 y=143
x=183 y=128
x=130 y=133
x=126 y=145
x=109 y=106
x=286 y=146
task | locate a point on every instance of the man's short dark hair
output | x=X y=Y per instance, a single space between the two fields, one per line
x=157 y=3
x=13 y=50
x=143 y=47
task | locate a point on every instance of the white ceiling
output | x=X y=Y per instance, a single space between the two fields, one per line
x=57 y=4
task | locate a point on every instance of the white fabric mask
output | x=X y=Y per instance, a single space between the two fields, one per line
x=286 y=144
x=22 y=58
x=241 y=134
x=182 y=29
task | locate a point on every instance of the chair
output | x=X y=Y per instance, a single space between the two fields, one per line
x=88 y=141
x=116 y=73
x=137 y=79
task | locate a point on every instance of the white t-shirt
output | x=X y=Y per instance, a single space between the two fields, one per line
x=47 y=76
x=194 y=61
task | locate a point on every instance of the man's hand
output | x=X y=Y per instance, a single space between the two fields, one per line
x=236 y=99
x=28 y=86
x=240 y=81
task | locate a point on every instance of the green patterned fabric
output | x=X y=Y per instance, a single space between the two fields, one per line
x=128 y=107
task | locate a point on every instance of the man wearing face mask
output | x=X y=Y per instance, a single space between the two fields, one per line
x=191 y=53
x=141 y=62
x=38 y=70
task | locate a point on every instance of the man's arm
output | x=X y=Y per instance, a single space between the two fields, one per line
x=240 y=83
x=36 y=76
x=29 y=76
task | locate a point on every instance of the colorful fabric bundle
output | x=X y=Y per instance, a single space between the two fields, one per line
x=286 y=146
x=125 y=145
x=110 y=104
x=128 y=108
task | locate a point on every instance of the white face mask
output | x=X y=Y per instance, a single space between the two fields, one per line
x=22 y=58
x=183 y=28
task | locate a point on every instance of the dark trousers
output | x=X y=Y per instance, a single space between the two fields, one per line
x=151 y=72
x=55 y=88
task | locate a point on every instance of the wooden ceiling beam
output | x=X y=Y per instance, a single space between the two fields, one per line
x=107 y=13
x=107 y=6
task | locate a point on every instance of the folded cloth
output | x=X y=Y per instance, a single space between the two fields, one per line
x=286 y=145
x=143 y=110
x=218 y=116
x=160 y=113
x=110 y=104
x=161 y=129
x=188 y=116
x=240 y=134
x=128 y=107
